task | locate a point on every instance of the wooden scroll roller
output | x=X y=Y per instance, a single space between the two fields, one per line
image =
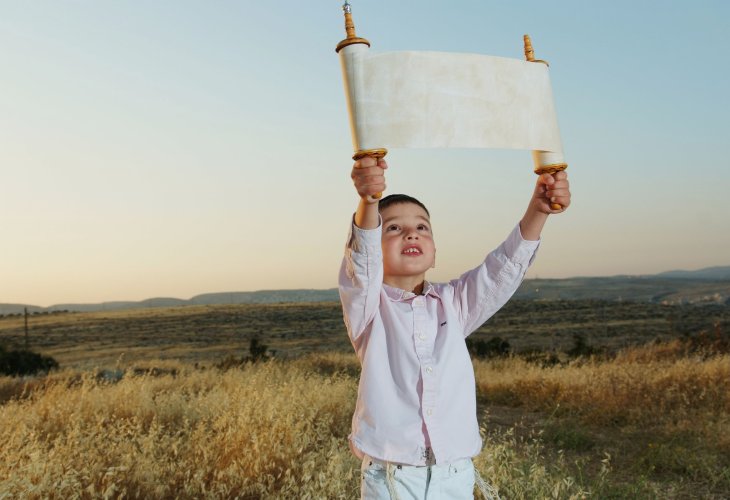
x=353 y=44
x=546 y=162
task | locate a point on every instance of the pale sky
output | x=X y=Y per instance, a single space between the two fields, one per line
x=173 y=148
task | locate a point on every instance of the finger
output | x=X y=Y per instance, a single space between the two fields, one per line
x=561 y=175
x=377 y=188
x=366 y=171
x=371 y=189
x=558 y=192
x=561 y=185
x=369 y=181
x=563 y=202
x=361 y=175
x=366 y=161
x=560 y=200
x=546 y=179
x=382 y=163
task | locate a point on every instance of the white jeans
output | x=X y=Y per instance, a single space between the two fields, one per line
x=453 y=481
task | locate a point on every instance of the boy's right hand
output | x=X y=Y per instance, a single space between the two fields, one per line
x=368 y=175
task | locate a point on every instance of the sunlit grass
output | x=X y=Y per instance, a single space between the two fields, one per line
x=279 y=430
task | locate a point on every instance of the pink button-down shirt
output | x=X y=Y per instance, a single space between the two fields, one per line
x=417 y=387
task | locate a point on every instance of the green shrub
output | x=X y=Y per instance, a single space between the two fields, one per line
x=491 y=348
x=24 y=362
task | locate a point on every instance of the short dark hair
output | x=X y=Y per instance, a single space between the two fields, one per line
x=396 y=199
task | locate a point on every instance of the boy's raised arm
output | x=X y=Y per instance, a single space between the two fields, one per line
x=549 y=189
x=482 y=291
x=369 y=179
x=361 y=273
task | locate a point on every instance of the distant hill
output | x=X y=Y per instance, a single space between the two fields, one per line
x=257 y=297
x=719 y=273
x=267 y=296
x=638 y=289
x=118 y=305
x=703 y=286
x=710 y=285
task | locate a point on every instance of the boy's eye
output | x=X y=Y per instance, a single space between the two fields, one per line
x=423 y=227
x=392 y=227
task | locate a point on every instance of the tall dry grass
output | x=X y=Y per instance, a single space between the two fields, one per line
x=265 y=430
x=643 y=385
x=278 y=429
x=667 y=406
x=268 y=430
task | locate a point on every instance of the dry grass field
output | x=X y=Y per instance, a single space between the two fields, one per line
x=651 y=420
x=202 y=334
x=206 y=334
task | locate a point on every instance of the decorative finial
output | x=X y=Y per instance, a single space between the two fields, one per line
x=352 y=38
x=530 y=53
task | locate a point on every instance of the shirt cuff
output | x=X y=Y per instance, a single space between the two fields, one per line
x=368 y=240
x=518 y=249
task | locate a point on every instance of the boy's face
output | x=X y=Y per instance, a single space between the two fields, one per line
x=408 y=247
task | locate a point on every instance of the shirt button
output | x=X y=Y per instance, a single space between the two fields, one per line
x=421 y=336
x=429 y=412
x=429 y=369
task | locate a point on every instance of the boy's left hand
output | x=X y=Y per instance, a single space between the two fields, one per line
x=552 y=188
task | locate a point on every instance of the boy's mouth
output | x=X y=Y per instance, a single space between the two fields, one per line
x=411 y=250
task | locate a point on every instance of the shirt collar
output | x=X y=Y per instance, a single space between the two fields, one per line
x=401 y=295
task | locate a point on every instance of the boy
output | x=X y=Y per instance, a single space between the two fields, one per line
x=415 y=424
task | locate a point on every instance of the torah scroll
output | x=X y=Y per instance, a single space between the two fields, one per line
x=449 y=100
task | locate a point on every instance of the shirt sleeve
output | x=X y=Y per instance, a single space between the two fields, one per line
x=481 y=292
x=361 y=278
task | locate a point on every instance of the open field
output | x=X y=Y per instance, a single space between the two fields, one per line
x=652 y=423
x=207 y=334
x=192 y=333
x=646 y=419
